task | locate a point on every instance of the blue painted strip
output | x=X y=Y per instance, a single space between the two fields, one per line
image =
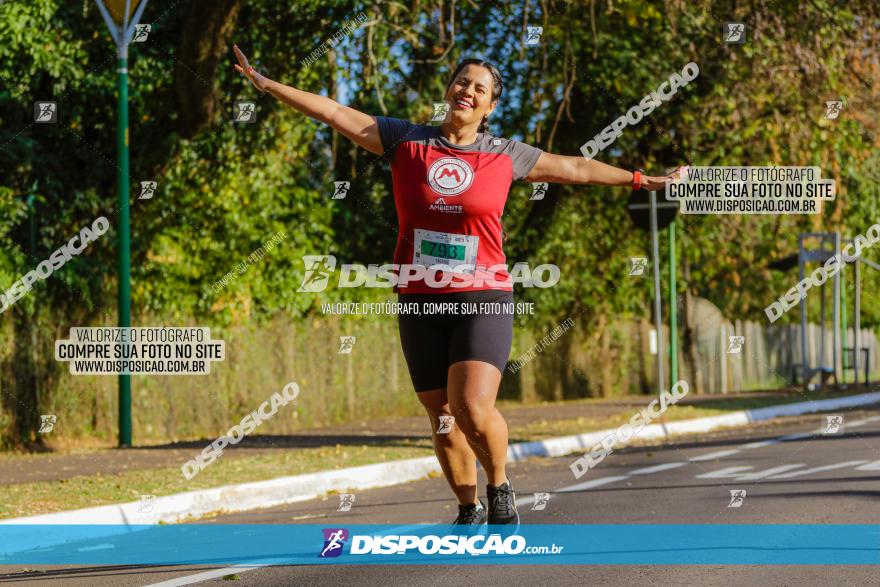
x=625 y=544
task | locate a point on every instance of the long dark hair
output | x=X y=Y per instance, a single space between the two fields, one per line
x=497 y=85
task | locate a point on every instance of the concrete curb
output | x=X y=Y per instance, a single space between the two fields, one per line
x=284 y=490
x=179 y=507
x=556 y=447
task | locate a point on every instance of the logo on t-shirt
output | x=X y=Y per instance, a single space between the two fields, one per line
x=440 y=205
x=449 y=176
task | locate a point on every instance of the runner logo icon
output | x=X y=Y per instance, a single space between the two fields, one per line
x=541 y=500
x=441 y=112
x=245 y=112
x=341 y=189
x=539 y=190
x=318 y=270
x=446 y=423
x=737 y=498
x=534 y=35
x=734 y=33
x=832 y=109
x=639 y=264
x=735 y=344
x=47 y=423
x=334 y=541
x=346 y=500
x=834 y=424
x=346 y=344
x=45 y=112
x=141 y=32
x=148 y=189
x=450 y=176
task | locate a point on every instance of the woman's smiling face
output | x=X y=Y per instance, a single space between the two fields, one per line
x=470 y=96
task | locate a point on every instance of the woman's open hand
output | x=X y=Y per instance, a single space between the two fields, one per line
x=654 y=183
x=260 y=81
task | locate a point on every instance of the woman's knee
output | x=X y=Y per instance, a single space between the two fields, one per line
x=473 y=419
x=437 y=408
x=434 y=402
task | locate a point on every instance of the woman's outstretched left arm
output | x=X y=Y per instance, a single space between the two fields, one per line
x=578 y=170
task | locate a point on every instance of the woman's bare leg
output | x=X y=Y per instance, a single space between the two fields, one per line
x=456 y=458
x=471 y=389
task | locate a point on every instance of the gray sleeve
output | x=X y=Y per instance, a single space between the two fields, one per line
x=393 y=131
x=523 y=156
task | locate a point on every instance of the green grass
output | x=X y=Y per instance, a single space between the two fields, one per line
x=91 y=491
x=30 y=499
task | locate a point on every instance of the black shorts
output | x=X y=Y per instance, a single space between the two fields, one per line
x=472 y=326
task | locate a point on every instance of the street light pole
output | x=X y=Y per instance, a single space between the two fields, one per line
x=124 y=301
x=121 y=32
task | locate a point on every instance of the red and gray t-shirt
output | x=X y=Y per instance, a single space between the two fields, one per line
x=449 y=201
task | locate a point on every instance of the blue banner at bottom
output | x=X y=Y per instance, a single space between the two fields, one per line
x=558 y=544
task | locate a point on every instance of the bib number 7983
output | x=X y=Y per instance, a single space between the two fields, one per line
x=448 y=250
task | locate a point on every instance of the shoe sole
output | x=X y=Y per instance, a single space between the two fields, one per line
x=515 y=525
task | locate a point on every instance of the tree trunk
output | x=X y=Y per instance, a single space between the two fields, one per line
x=21 y=400
x=206 y=34
x=690 y=334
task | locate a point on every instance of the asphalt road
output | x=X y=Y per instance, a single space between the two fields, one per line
x=791 y=473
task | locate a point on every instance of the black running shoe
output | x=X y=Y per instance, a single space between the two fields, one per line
x=471 y=515
x=502 y=504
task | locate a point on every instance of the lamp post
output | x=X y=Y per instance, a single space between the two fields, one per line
x=121 y=22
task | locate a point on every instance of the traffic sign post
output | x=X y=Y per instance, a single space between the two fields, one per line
x=673 y=309
x=118 y=16
x=653 y=216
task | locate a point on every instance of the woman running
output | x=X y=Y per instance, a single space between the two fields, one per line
x=450 y=185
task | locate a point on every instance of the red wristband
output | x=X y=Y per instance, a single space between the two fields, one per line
x=637 y=179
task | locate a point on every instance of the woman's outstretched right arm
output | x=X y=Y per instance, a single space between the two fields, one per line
x=359 y=127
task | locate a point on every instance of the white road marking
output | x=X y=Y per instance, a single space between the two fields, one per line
x=735 y=472
x=105 y=546
x=524 y=501
x=593 y=483
x=767 y=472
x=714 y=455
x=658 y=468
x=762 y=443
x=818 y=469
x=309 y=516
x=215 y=574
x=726 y=472
x=772 y=441
x=218 y=573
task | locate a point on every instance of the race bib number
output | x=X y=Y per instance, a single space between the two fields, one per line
x=458 y=251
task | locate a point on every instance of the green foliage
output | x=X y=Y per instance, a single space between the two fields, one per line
x=228 y=189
